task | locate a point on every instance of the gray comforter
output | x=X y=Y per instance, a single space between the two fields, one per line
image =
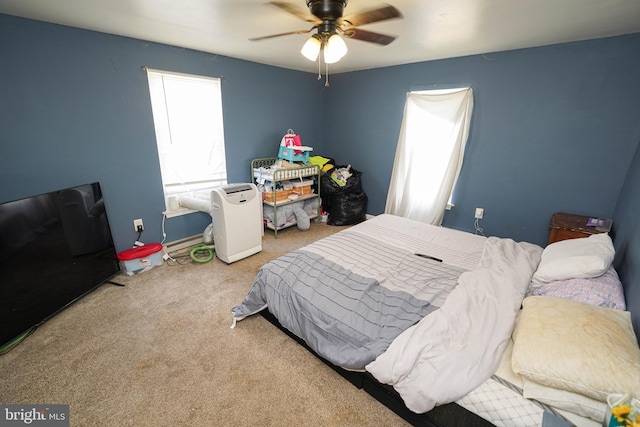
x=346 y=317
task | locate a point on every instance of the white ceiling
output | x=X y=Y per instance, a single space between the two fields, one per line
x=429 y=29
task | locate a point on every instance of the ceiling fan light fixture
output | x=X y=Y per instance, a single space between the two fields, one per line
x=334 y=49
x=311 y=48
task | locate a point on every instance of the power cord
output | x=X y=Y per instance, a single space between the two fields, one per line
x=479 y=230
x=164 y=233
x=17 y=340
x=166 y=255
x=173 y=260
x=138 y=241
x=200 y=253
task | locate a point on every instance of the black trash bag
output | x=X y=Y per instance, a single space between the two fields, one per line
x=348 y=208
x=353 y=184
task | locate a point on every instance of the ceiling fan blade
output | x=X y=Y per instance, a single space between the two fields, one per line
x=370 y=16
x=296 y=10
x=368 y=36
x=281 y=34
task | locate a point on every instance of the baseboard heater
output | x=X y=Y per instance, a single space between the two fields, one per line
x=178 y=245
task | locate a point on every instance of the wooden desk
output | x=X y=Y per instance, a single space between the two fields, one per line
x=569 y=226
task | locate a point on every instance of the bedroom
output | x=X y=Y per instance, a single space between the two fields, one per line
x=555 y=127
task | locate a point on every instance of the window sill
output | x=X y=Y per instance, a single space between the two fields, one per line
x=178 y=212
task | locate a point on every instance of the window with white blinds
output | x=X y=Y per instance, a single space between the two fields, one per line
x=187 y=115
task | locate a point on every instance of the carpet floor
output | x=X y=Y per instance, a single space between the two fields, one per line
x=160 y=352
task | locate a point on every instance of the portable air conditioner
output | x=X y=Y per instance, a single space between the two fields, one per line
x=237 y=221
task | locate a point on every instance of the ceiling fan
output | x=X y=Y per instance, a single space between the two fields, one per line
x=327 y=17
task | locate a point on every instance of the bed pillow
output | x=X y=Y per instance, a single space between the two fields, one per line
x=568 y=401
x=575 y=258
x=604 y=291
x=577 y=347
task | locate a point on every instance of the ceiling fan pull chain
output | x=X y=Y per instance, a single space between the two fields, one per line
x=326 y=82
x=319 y=69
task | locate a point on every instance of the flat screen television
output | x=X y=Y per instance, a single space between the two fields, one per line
x=54 y=248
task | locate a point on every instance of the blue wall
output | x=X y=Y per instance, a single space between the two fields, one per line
x=554 y=129
x=626 y=231
x=74 y=108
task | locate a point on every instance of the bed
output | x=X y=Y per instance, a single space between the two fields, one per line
x=431 y=321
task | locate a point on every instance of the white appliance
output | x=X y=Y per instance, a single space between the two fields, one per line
x=237 y=221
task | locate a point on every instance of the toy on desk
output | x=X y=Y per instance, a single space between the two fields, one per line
x=292 y=150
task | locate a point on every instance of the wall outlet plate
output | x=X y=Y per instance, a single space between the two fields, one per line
x=138 y=223
x=479 y=213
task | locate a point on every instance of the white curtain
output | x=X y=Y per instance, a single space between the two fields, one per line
x=433 y=135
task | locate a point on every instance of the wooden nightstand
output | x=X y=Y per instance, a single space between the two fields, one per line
x=569 y=226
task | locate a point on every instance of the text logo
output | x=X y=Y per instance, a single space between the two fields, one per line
x=34 y=415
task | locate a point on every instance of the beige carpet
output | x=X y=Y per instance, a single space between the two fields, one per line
x=159 y=352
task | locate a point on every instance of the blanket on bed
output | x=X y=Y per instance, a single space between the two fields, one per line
x=347 y=318
x=362 y=298
x=458 y=347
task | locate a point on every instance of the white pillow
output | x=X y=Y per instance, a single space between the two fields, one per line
x=577 y=347
x=575 y=258
x=566 y=400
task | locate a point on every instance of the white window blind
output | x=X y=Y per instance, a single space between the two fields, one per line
x=187 y=115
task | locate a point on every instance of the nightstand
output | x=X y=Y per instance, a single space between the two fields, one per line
x=569 y=226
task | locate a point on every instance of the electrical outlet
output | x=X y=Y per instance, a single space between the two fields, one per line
x=479 y=213
x=138 y=225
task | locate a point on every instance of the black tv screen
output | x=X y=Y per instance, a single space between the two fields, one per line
x=54 y=248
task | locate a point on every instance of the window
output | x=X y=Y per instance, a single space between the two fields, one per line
x=187 y=115
x=428 y=159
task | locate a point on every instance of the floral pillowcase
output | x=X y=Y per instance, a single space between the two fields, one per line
x=605 y=290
